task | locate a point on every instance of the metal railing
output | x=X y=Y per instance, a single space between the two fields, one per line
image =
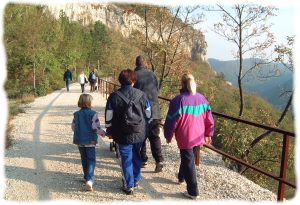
x=107 y=87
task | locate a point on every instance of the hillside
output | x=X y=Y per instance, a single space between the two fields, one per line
x=39 y=47
x=270 y=88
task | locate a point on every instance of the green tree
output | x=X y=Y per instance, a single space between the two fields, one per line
x=101 y=42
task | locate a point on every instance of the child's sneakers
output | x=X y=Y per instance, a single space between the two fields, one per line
x=186 y=194
x=89 y=186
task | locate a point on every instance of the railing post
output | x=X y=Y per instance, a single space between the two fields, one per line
x=103 y=88
x=283 y=167
x=197 y=155
x=100 y=85
x=106 y=89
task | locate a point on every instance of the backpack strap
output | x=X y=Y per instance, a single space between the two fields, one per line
x=121 y=95
x=139 y=95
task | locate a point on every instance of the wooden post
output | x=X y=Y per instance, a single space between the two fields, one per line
x=283 y=167
x=106 y=90
x=197 y=156
x=34 y=76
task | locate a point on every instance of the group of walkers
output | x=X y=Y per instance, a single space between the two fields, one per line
x=132 y=116
x=82 y=80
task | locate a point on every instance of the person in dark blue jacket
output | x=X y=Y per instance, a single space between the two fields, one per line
x=86 y=127
x=68 y=78
x=127 y=115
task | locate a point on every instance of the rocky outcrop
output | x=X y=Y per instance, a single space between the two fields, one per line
x=121 y=20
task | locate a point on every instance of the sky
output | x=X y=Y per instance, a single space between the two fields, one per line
x=285 y=24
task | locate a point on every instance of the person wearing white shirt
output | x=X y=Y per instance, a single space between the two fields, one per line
x=82 y=80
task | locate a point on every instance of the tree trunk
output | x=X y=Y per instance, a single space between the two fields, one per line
x=161 y=80
x=240 y=83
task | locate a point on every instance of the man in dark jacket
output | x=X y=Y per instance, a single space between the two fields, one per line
x=68 y=78
x=147 y=82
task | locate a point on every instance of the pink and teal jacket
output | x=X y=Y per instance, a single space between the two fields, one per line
x=190 y=118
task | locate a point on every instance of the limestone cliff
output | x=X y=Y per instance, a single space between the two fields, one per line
x=122 y=20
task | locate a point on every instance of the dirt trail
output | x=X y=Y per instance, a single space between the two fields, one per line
x=43 y=164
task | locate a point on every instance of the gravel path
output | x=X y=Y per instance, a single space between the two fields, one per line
x=43 y=164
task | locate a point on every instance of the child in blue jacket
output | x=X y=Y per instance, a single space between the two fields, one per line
x=86 y=127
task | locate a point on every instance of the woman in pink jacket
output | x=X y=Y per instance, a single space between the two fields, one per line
x=190 y=118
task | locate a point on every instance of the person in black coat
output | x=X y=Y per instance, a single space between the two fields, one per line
x=68 y=78
x=148 y=83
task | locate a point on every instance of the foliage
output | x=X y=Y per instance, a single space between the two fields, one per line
x=39 y=48
x=166 y=34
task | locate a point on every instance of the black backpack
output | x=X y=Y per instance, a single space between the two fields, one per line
x=131 y=120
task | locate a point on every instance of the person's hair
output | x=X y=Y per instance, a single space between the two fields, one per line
x=140 y=60
x=188 y=82
x=127 y=77
x=85 y=101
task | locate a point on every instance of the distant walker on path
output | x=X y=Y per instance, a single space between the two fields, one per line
x=82 y=80
x=93 y=80
x=68 y=78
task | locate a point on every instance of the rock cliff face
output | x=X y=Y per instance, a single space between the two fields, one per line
x=120 y=20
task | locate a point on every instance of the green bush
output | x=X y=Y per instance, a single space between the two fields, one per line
x=42 y=88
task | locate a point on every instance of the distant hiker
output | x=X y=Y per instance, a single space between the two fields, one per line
x=148 y=83
x=68 y=78
x=82 y=79
x=86 y=127
x=93 y=79
x=190 y=118
x=127 y=115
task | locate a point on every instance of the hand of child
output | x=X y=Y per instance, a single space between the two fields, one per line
x=102 y=133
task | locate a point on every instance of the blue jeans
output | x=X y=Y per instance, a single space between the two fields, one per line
x=68 y=84
x=88 y=161
x=131 y=163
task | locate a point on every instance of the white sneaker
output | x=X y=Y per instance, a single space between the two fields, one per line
x=89 y=186
x=190 y=196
